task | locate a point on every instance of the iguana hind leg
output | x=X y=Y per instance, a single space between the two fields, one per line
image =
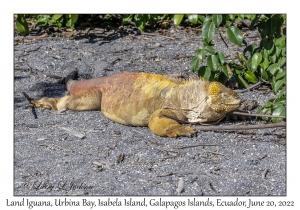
x=81 y=102
x=163 y=123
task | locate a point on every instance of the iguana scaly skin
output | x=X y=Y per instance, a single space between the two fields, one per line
x=141 y=99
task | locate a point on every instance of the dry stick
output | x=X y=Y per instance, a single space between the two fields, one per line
x=53 y=76
x=240 y=127
x=249 y=88
x=154 y=34
x=197 y=145
x=36 y=49
x=257 y=115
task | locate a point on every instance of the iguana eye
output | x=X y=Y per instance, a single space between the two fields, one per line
x=224 y=95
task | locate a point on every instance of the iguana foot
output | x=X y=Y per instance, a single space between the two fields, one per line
x=180 y=130
x=163 y=122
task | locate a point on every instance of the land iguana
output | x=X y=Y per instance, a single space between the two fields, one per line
x=161 y=102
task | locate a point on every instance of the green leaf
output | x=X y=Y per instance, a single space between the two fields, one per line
x=74 y=19
x=281 y=100
x=200 y=53
x=235 y=35
x=22 y=25
x=249 y=63
x=278 y=84
x=59 y=25
x=201 y=18
x=231 y=17
x=178 y=19
x=208 y=31
x=56 y=17
x=204 y=72
x=193 y=18
x=221 y=57
x=273 y=68
x=126 y=19
x=225 y=70
x=217 y=19
x=281 y=61
x=277 y=51
x=282 y=92
x=268 y=45
x=195 y=63
x=265 y=53
x=255 y=61
x=140 y=22
x=263 y=110
x=68 y=23
x=283 y=52
x=243 y=58
x=279 y=111
x=268 y=104
x=207 y=19
x=280 y=74
x=273 y=58
x=210 y=49
x=215 y=61
x=43 y=20
x=264 y=65
x=242 y=81
x=280 y=42
x=250 y=76
x=108 y=16
x=209 y=63
x=264 y=74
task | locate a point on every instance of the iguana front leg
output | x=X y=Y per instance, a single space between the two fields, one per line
x=163 y=122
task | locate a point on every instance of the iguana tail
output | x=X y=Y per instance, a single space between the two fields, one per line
x=69 y=80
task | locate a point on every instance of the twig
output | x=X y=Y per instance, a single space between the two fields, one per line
x=53 y=76
x=36 y=49
x=21 y=68
x=224 y=40
x=197 y=145
x=257 y=115
x=216 y=153
x=249 y=88
x=154 y=34
x=240 y=127
x=229 y=47
x=264 y=174
x=168 y=174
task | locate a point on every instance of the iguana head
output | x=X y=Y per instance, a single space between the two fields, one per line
x=222 y=99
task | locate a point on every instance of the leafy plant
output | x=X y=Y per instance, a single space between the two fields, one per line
x=58 y=20
x=266 y=62
x=21 y=24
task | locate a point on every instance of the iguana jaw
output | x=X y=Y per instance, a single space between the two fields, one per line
x=223 y=105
